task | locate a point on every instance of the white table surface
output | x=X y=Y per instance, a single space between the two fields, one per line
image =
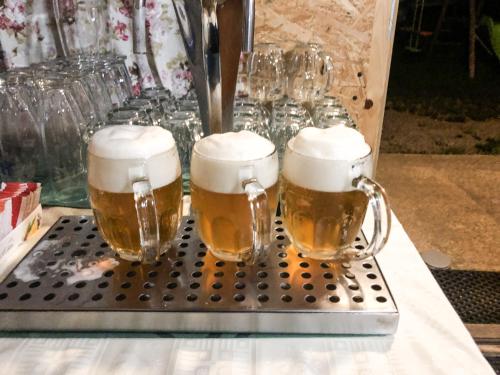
x=430 y=339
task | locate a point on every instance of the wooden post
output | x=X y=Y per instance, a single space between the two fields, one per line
x=372 y=117
x=472 y=38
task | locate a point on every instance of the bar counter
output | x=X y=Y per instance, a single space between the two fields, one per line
x=431 y=339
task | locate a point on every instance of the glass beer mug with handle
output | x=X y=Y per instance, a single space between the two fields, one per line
x=325 y=191
x=135 y=188
x=234 y=193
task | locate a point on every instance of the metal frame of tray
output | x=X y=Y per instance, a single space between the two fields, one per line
x=72 y=281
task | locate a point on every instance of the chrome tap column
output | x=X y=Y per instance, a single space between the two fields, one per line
x=213 y=33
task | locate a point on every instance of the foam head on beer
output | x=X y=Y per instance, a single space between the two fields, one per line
x=221 y=161
x=118 y=158
x=219 y=166
x=119 y=152
x=327 y=159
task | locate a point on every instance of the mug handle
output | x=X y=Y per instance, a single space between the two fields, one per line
x=149 y=232
x=328 y=66
x=261 y=219
x=378 y=201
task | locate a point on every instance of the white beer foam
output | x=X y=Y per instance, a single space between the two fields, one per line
x=130 y=142
x=220 y=162
x=120 y=154
x=333 y=143
x=327 y=160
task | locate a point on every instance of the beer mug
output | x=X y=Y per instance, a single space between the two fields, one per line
x=325 y=190
x=135 y=188
x=234 y=193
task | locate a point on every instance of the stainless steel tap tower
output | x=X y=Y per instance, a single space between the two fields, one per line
x=215 y=32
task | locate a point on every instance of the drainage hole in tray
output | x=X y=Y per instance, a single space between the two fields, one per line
x=240 y=274
x=215 y=298
x=263 y=298
x=262 y=286
x=197 y=274
x=34 y=284
x=144 y=297
x=219 y=274
x=194 y=285
x=148 y=285
x=376 y=287
x=310 y=299
x=103 y=285
x=73 y=296
x=49 y=297
x=286 y=298
x=131 y=273
x=120 y=297
x=152 y=274
x=262 y=274
x=80 y=284
x=240 y=285
x=191 y=297
x=357 y=299
x=285 y=286
x=168 y=297
x=331 y=286
x=12 y=284
x=172 y=285
x=174 y=274
x=334 y=299
x=381 y=299
x=239 y=297
x=217 y=285
x=308 y=286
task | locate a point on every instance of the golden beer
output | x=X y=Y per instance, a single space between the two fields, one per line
x=326 y=187
x=224 y=221
x=230 y=174
x=322 y=223
x=116 y=217
x=135 y=189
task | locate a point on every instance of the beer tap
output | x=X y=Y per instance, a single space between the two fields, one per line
x=214 y=33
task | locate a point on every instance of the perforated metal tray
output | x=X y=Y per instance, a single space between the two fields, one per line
x=72 y=280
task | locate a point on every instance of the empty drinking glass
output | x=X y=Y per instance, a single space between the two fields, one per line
x=309 y=73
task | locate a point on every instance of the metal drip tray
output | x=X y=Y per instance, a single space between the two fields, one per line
x=71 y=280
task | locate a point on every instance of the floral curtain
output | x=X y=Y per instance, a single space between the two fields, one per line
x=28 y=35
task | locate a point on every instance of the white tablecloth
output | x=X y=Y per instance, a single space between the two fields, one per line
x=430 y=339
